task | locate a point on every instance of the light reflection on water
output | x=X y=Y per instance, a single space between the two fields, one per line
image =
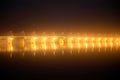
x=80 y=51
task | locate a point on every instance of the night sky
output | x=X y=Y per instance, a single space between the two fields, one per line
x=60 y=16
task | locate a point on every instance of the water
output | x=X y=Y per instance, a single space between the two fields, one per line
x=83 y=64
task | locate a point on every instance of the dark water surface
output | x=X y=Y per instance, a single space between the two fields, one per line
x=90 y=65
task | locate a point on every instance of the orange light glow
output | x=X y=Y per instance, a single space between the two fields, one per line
x=70 y=42
x=44 y=45
x=10 y=43
x=33 y=43
x=61 y=42
x=78 y=42
x=53 y=43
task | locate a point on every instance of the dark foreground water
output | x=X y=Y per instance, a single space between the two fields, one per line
x=90 y=65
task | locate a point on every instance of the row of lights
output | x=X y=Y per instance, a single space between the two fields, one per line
x=56 y=42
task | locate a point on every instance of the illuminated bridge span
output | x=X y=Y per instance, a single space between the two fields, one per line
x=58 y=43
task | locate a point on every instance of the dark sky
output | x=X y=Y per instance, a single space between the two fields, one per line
x=59 y=15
